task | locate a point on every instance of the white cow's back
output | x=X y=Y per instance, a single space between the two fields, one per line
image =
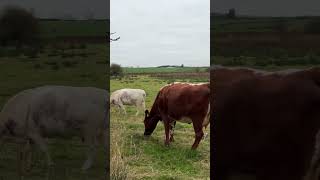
x=53 y=103
x=127 y=96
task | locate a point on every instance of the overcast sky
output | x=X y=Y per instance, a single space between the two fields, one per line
x=162 y=32
x=269 y=7
x=60 y=8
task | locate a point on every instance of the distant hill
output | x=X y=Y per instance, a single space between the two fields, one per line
x=220 y=14
x=168 y=66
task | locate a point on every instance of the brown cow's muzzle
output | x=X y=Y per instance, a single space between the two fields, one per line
x=146 y=133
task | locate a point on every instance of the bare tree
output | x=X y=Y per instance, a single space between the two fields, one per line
x=112 y=39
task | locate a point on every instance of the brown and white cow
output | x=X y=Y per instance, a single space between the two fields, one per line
x=266 y=124
x=184 y=102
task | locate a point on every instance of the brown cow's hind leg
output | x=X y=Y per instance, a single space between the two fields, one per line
x=172 y=126
x=199 y=134
x=166 y=124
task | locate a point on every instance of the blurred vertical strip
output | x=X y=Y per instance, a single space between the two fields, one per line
x=108 y=88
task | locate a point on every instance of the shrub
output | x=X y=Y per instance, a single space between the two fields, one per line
x=116 y=70
x=18 y=27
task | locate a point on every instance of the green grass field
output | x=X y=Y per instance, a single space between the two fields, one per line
x=136 y=157
x=52 y=29
x=53 y=67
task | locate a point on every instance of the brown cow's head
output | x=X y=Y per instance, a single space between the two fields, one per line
x=150 y=123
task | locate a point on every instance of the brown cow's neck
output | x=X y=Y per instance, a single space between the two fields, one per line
x=155 y=109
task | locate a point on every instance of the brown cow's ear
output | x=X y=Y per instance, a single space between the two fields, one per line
x=146 y=113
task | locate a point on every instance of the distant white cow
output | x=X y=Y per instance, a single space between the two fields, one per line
x=135 y=97
x=51 y=111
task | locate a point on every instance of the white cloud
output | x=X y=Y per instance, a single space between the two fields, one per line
x=161 y=32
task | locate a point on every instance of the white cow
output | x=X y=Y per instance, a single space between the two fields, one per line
x=51 y=111
x=134 y=97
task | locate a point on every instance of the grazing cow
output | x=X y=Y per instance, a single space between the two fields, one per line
x=188 y=103
x=266 y=124
x=51 y=111
x=134 y=97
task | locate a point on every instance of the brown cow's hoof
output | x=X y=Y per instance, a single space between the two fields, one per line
x=167 y=144
x=193 y=147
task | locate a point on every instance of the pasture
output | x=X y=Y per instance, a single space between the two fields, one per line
x=135 y=157
x=265 y=42
x=57 y=63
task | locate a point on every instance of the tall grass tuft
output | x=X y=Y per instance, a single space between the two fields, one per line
x=119 y=168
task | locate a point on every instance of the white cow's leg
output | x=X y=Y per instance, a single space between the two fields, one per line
x=91 y=154
x=138 y=108
x=143 y=106
x=40 y=142
x=119 y=109
x=123 y=108
x=28 y=153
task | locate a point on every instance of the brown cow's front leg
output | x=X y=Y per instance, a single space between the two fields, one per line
x=199 y=134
